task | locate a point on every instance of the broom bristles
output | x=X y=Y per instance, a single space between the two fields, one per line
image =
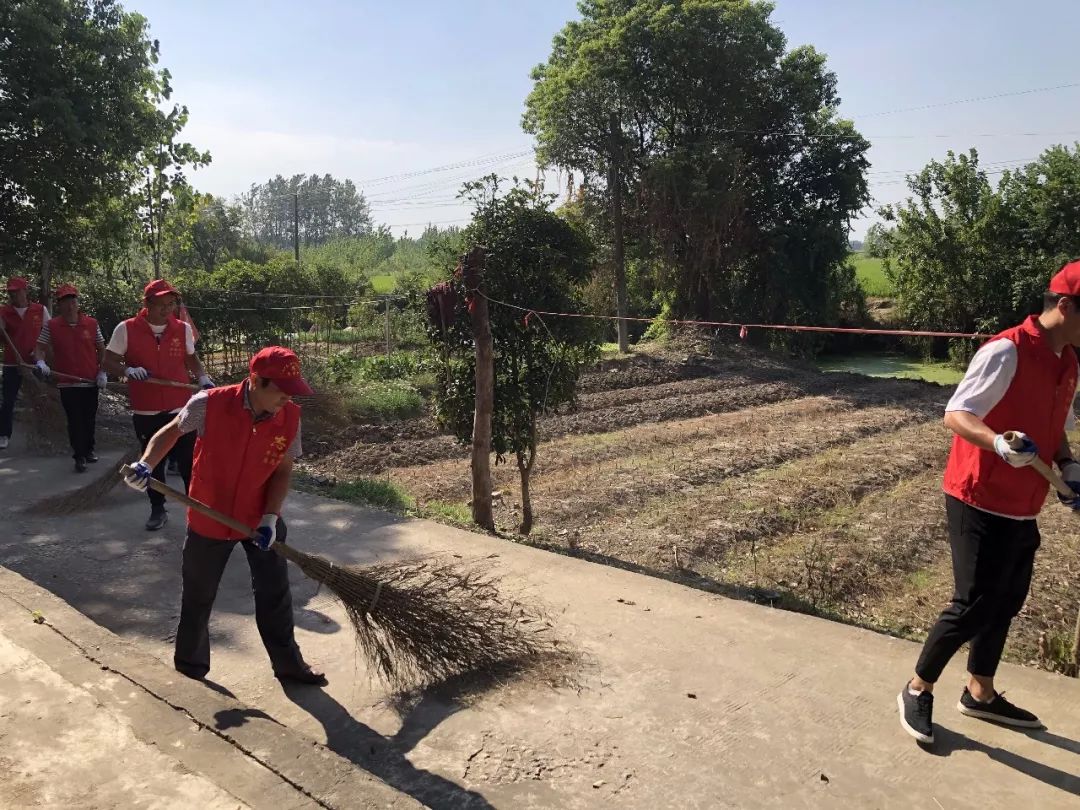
x=86 y=496
x=425 y=621
x=48 y=424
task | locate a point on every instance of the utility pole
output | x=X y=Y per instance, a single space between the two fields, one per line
x=619 y=254
x=296 y=227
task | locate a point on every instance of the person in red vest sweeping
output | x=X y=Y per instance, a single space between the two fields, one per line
x=22 y=321
x=156 y=344
x=248 y=436
x=76 y=347
x=1022 y=380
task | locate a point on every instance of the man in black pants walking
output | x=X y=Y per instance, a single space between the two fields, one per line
x=151 y=350
x=73 y=343
x=1024 y=379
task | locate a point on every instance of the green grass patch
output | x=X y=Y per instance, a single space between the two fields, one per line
x=384 y=401
x=457 y=513
x=383 y=284
x=871 y=275
x=890 y=365
x=378 y=492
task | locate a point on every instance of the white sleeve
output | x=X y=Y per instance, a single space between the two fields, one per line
x=987 y=379
x=1070 y=417
x=189 y=338
x=118 y=341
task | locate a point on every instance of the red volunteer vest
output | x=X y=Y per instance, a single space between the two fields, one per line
x=75 y=349
x=164 y=359
x=234 y=459
x=1037 y=403
x=23 y=331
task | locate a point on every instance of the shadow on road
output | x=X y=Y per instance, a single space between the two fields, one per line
x=383 y=757
x=947 y=741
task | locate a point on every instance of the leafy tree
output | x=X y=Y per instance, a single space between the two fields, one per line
x=875 y=244
x=943 y=251
x=201 y=231
x=535 y=260
x=78 y=93
x=743 y=177
x=326 y=209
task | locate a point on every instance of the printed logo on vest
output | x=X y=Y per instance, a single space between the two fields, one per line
x=273 y=454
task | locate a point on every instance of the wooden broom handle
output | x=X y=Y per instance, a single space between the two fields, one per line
x=171 y=383
x=198 y=506
x=1041 y=467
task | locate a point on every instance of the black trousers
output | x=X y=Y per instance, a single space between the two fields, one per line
x=12 y=380
x=80 y=405
x=993 y=558
x=204 y=563
x=145 y=428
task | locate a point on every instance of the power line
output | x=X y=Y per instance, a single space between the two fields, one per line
x=971 y=100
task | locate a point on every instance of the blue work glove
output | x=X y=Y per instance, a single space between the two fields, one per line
x=102 y=379
x=266 y=533
x=41 y=369
x=138 y=476
x=206 y=382
x=136 y=373
x=1070 y=474
x=1023 y=456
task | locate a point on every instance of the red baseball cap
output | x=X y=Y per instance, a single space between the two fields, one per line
x=1067 y=280
x=16 y=283
x=282 y=367
x=157 y=288
x=65 y=290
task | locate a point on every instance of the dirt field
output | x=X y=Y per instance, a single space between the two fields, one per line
x=745 y=475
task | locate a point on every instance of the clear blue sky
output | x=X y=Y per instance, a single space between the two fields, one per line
x=366 y=89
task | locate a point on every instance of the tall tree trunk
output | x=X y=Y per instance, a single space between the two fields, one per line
x=525 y=466
x=619 y=251
x=46 y=281
x=482 y=513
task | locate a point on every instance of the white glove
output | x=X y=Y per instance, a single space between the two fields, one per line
x=138 y=477
x=102 y=379
x=43 y=368
x=1022 y=457
x=136 y=373
x=205 y=382
x=266 y=533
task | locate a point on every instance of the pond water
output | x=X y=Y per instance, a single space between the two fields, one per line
x=892 y=365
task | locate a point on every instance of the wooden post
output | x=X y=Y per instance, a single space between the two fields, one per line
x=387 y=305
x=619 y=253
x=472 y=270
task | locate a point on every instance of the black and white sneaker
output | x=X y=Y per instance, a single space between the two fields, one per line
x=917 y=714
x=998 y=710
x=157 y=520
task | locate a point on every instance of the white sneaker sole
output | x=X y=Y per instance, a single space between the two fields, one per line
x=923 y=738
x=997 y=718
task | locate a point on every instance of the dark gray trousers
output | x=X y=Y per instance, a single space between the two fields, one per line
x=204 y=563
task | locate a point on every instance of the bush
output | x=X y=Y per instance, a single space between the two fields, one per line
x=384 y=402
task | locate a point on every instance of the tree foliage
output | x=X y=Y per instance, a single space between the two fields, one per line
x=535 y=261
x=743 y=177
x=79 y=114
x=966 y=256
x=327 y=209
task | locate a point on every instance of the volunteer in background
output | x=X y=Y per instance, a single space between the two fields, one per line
x=72 y=348
x=155 y=344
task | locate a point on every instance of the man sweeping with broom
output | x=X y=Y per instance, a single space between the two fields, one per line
x=155 y=345
x=1022 y=380
x=74 y=344
x=21 y=321
x=248 y=436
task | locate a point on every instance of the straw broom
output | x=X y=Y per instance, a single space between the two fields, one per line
x=422 y=621
x=87 y=496
x=46 y=415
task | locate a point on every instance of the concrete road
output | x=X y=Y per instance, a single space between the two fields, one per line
x=691 y=700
